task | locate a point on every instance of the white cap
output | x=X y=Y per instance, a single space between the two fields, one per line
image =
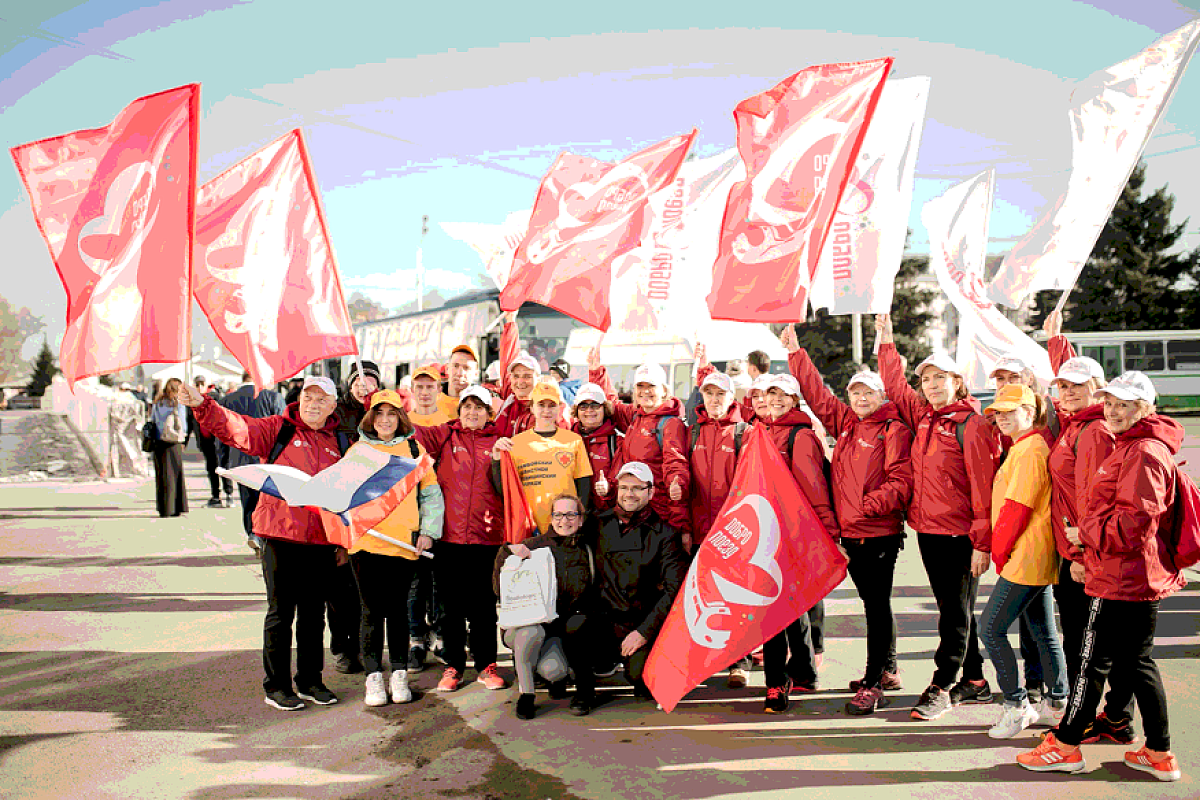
x=652 y=374
x=941 y=361
x=1009 y=364
x=523 y=359
x=589 y=391
x=787 y=383
x=324 y=384
x=638 y=470
x=869 y=379
x=761 y=383
x=1132 y=385
x=478 y=392
x=720 y=380
x=124 y=385
x=492 y=373
x=1080 y=369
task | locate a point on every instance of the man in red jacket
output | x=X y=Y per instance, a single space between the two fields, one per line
x=297 y=559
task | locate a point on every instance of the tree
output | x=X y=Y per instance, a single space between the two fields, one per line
x=828 y=338
x=16 y=326
x=364 y=309
x=44 y=370
x=1131 y=281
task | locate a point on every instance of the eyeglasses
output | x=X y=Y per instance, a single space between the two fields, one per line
x=562 y=515
x=588 y=405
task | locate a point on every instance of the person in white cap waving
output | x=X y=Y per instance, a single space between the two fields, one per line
x=871 y=477
x=592 y=419
x=954 y=458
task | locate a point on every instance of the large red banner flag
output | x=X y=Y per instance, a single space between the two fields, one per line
x=265 y=273
x=799 y=142
x=766 y=560
x=114 y=205
x=587 y=213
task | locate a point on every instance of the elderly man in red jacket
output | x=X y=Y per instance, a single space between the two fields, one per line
x=296 y=557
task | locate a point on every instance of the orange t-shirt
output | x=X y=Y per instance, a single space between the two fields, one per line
x=548 y=467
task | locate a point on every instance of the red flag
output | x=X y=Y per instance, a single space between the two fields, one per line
x=587 y=213
x=766 y=560
x=518 y=516
x=114 y=205
x=265 y=273
x=799 y=141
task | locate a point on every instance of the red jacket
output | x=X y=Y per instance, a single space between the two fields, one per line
x=309 y=451
x=807 y=463
x=669 y=462
x=952 y=485
x=1082 y=446
x=872 y=471
x=474 y=511
x=604 y=449
x=713 y=462
x=1131 y=501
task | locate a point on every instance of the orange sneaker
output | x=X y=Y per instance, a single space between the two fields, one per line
x=491 y=678
x=1049 y=756
x=451 y=680
x=1165 y=770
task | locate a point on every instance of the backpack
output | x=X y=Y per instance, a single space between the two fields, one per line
x=826 y=467
x=288 y=429
x=1184 y=542
x=739 y=429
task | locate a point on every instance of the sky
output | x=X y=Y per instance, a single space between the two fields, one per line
x=455 y=111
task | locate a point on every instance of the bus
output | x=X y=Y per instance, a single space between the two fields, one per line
x=1171 y=359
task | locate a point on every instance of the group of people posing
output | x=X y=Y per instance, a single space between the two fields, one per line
x=1070 y=498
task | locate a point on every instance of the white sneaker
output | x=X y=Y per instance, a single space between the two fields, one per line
x=376 y=690
x=1050 y=712
x=1013 y=720
x=400 y=691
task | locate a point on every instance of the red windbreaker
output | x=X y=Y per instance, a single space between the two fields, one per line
x=604 y=449
x=669 y=462
x=309 y=451
x=713 y=462
x=1130 y=505
x=1083 y=445
x=807 y=463
x=474 y=512
x=952 y=485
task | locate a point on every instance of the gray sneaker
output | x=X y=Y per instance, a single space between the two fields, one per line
x=934 y=703
x=967 y=692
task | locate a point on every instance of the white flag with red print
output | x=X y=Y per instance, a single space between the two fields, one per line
x=857 y=271
x=587 y=213
x=957 y=223
x=265 y=274
x=1112 y=116
x=114 y=205
x=799 y=142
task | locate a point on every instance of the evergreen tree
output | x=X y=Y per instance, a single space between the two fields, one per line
x=1131 y=281
x=44 y=371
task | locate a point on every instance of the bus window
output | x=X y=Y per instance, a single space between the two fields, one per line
x=1108 y=356
x=1144 y=356
x=1183 y=355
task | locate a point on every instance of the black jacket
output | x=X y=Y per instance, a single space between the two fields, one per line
x=640 y=567
x=243 y=400
x=572 y=569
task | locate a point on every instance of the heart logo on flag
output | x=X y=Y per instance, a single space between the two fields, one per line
x=125 y=221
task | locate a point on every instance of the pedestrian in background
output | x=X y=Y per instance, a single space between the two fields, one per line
x=243 y=400
x=170 y=419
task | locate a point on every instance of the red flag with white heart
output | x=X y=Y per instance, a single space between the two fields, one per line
x=114 y=205
x=766 y=560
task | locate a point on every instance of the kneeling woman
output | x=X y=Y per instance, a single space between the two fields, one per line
x=384 y=570
x=1025 y=556
x=554 y=647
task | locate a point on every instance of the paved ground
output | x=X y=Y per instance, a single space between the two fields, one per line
x=129 y=667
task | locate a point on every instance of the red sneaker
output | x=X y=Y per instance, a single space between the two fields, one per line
x=1166 y=769
x=1049 y=756
x=491 y=678
x=451 y=680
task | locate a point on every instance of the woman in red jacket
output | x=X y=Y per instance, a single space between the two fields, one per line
x=593 y=420
x=1130 y=512
x=872 y=485
x=473 y=534
x=954 y=465
x=792 y=431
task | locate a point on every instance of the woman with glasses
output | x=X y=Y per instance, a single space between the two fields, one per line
x=554 y=648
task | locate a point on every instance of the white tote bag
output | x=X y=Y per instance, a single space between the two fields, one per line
x=528 y=590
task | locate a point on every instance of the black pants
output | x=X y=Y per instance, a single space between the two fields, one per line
x=947 y=562
x=383 y=589
x=464 y=575
x=344 y=607
x=215 y=455
x=607 y=633
x=249 y=499
x=873 y=568
x=424 y=607
x=295 y=574
x=1118 y=640
x=789 y=653
x=170 y=491
x=1073 y=616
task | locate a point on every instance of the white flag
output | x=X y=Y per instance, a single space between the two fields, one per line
x=495 y=244
x=958 y=234
x=1112 y=116
x=857 y=270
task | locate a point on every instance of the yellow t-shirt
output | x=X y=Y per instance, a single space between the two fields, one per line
x=405 y=522
x=429 y=420
x=548 y=467
x=448 y=405
x=1025 y=478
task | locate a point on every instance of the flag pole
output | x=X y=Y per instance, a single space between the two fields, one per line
x=398 y=543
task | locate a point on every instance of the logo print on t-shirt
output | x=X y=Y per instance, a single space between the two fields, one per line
x=566 y=458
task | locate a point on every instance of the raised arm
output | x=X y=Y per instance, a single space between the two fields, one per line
x=1060 y=349
x=835 y=415
x=254 y=437
x=598 y=374
x=910 y=404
